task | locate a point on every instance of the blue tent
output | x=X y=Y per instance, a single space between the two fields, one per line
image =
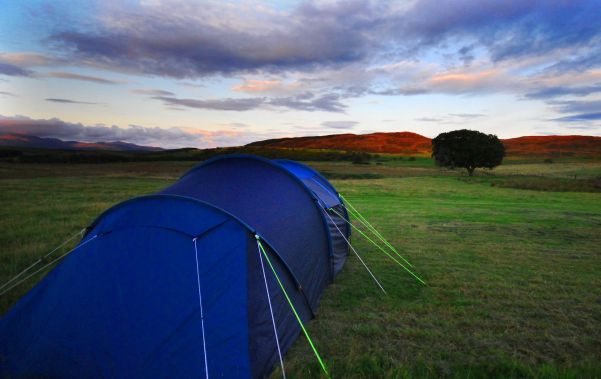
x=174 y=284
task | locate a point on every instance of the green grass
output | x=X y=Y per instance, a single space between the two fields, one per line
x=514 y=275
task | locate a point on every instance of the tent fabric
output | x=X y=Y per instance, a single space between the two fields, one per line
x=125 y=302
x=277 y=205
x=329 y=198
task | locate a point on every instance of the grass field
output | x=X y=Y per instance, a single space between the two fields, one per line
x=514 y=274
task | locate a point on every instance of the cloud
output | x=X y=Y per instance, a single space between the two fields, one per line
x=580 y=117
x=339 y=124
x=340 y=49
x=310 y=103
x=452 y=118
x=209 y=38
x=303 y=102
x=191 y=85
x=152 y=92
x=558 y=91
x=218 y=104
x=67 y=101
x=86 y=78
x=12 y=70
x=200 y=39
x=507 y=29
x=429 y=119
x=467 y=115
x=29 y=59
x=166 y=137
x=268 y=86
x=254 y=85
x=470 y=81
x=19 y=64
x=238 y=125
x=577 y=106
x=6 y=93
x=582 y=111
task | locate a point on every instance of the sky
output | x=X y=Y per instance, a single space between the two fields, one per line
x=223 y=73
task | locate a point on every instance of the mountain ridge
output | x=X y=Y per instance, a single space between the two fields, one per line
x=30 y=141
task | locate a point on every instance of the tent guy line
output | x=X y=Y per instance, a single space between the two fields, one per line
x=80 y=233
x=369 y=226
x=275 y=329
x=300 y=322
x=202 y=317
x=379 y=247
x=358 y=256
x=46 y=265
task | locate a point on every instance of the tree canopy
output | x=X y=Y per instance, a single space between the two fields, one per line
x=469 y=149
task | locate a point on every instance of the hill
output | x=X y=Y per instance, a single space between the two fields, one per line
x=554 y=146
x=28 y=141
x=414 y=144
x=396 y=143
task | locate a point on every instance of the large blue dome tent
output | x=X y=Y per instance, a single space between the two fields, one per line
x=208 y=278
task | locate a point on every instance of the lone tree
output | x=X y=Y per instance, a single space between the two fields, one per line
x=467 y=148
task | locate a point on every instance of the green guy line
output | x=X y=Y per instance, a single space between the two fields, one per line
x=323 y=366
x=366 y=223
x=379 y=247
x=369 y=226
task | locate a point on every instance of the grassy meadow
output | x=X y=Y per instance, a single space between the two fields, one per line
x=511 y=257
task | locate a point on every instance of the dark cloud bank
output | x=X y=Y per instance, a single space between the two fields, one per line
x=188 y=45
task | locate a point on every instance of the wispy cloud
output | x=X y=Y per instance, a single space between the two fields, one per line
x=339 y=124
x=560 y=91
x=304 y=102
x=12 y=70
x=467 y=115
x=329 y=102
x=255 y=85
x=152 y=92
x=429 y=119
x=85 y=78
x=67 y=101
x=580 y=117
x=577 y=106
x=216 y=104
